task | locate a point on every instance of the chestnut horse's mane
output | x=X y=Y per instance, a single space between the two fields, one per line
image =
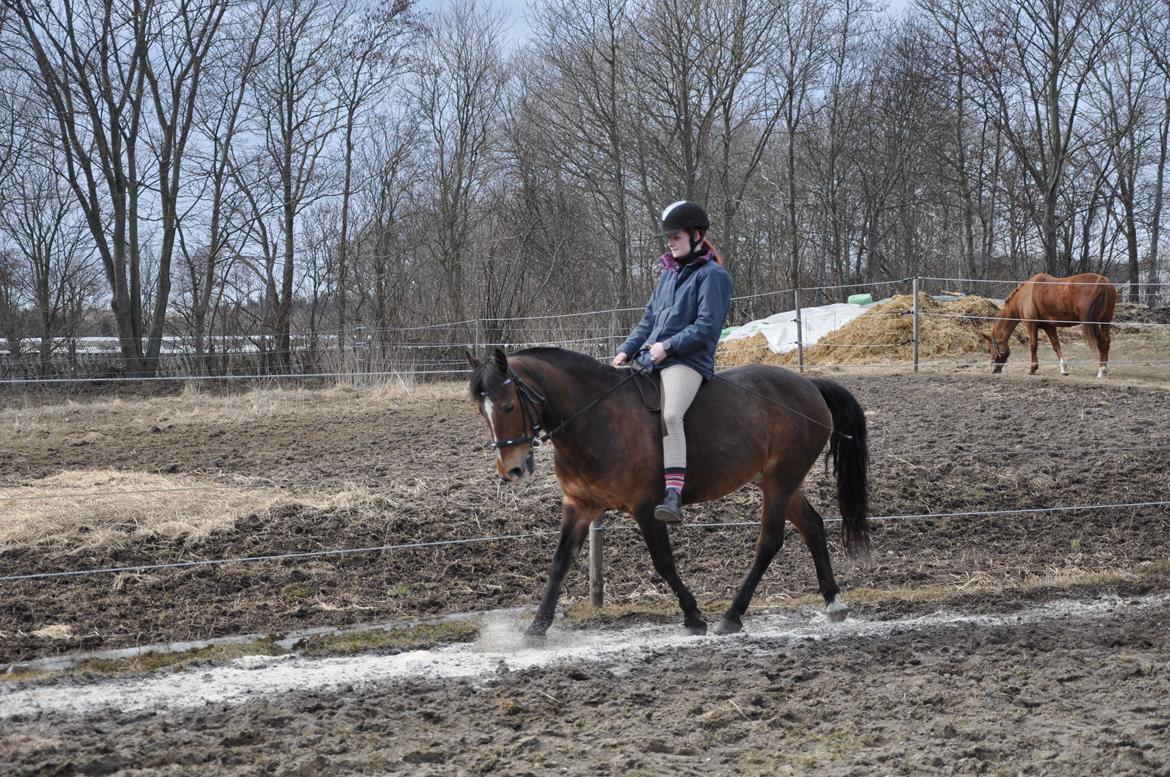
x=1007 y=302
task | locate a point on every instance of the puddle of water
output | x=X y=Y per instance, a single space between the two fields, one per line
x=500 y=648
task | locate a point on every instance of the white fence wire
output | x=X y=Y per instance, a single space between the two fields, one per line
x=371 y=357
x=296 y=555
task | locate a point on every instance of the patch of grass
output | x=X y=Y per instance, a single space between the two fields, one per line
x=150 y=662
x=420 y=637
x=417 y=637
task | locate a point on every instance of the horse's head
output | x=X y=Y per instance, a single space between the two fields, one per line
x=999 y=350
x=512 y=409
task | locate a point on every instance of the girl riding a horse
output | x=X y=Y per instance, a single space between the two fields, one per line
x=678 y=334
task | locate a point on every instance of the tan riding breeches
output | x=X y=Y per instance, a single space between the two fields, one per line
x=680 y=383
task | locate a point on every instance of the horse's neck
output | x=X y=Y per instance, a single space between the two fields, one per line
x=1007 y=319
x=566 y=394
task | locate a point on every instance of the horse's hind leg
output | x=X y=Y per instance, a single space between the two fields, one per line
x=812 y=528
x=769 y=542
x=1098 y=335
x=1054 y=340
x=658 y=543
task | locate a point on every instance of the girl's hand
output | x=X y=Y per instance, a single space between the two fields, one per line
x=619 y=360
x=657 y=353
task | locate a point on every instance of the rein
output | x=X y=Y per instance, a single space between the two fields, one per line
x=831 y=429
x=532 y=399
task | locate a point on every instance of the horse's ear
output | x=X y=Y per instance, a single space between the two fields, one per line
x=474 y=362
x=501 y=360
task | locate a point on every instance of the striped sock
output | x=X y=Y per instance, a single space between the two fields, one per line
x=675 y=478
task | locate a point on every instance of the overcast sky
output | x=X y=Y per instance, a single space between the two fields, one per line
x=518 y=30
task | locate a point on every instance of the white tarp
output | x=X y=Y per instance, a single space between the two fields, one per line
x=780 y=328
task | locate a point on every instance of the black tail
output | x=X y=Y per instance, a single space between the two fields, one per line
x=849 y=449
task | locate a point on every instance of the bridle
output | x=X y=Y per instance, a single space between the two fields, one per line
x=1000 y=356
x=531 y=402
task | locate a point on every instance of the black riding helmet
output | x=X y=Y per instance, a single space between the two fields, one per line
x=683 y=214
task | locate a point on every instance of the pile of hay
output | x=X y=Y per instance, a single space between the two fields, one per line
x=883 y=334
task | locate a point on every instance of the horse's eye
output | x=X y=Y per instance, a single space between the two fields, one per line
x=508 y=408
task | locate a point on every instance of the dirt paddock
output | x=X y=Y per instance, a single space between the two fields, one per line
x=1059 y=663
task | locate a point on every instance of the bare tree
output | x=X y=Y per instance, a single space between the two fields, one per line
x=376 y=51
x=1034 y=59
x=579 y=95
x=1122 y=82
x=1155 y=33
x=294 y=104
x=121 y=82
x=44 y=224
x=219 y=118
x=458 y=93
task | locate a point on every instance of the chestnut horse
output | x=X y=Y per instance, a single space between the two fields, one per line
x=756 y=423
x=1045 y=302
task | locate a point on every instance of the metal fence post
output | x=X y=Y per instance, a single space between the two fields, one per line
x=596 y=548
x=359 y=348
x=799 y=330
x=916 y=330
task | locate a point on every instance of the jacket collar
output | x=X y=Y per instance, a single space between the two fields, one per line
x=668 y=261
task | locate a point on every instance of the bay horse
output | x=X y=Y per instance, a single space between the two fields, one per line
x=755 y=423
x=1046 y=302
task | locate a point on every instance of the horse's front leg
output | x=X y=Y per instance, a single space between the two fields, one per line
x=575 y=521
x=658 y=543
x=1054 y=340
x=1033 y=343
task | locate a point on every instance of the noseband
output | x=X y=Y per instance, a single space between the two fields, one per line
x=1000 y=356
x=531 y=402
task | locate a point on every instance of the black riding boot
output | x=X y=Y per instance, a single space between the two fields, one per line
x=670 y=511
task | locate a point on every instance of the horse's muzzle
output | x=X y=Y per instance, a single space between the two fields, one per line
x=518 y=473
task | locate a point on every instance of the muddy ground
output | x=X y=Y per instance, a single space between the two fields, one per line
x=1062 y=697
x=939 y=444
x=1059 y=696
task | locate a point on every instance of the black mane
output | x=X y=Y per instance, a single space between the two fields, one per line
x=487 y=378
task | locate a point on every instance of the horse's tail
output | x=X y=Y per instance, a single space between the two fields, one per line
x=849 y=449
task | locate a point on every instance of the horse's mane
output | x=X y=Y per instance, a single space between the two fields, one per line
x=1007 y=300
x=487 y=377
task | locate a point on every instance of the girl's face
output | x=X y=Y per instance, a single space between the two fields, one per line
x=679 y=243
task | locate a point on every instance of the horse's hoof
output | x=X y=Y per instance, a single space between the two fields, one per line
x=837 y=612
x=728 y=626
x=534 y=637
x=695 y=629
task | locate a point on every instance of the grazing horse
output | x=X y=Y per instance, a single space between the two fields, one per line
x=756 y=423
x=1045 y=302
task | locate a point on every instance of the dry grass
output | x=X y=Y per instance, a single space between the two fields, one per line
x=195 y=399
x=84 y=509
x=80 y=510
x=883 y=334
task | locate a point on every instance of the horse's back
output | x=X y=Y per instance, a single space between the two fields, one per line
x=1085 y=297
x=767 y=390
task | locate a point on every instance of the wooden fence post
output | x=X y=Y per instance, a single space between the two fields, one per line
x=799 y=330
x=916 y=324
x=596 y=548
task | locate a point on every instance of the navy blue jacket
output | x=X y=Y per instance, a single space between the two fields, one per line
x=685 y=313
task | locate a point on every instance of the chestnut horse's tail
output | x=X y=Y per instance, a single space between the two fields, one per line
x=849 y=449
